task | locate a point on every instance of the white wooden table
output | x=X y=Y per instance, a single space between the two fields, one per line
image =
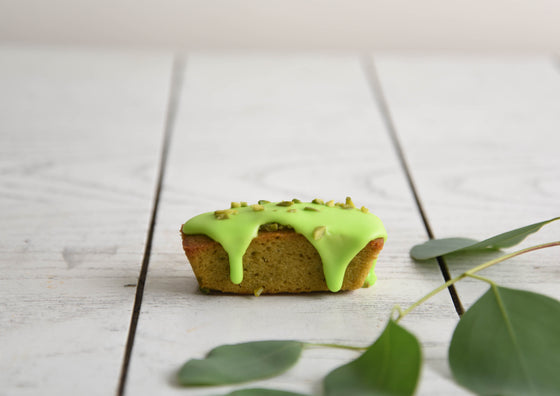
x=105 y=153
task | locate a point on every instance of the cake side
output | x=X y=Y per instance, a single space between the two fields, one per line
x=282 y=261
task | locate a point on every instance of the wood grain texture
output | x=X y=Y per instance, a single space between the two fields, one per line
x=79 y=139
x=482 y=138
x=273 y=127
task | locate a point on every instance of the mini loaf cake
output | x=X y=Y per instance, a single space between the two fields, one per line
x=284 y=247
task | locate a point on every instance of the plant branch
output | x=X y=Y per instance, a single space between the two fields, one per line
x=471 y=272
x=481 y=278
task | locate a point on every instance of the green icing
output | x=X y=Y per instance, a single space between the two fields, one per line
x=347 y=232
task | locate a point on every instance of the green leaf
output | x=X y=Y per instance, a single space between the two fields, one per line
x=440 y=247
x=508 y=343
x=262 y=392
x=231 y=364
x=391 y=366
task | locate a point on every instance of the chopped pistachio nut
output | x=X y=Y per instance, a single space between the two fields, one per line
x=318 y=201
x=330 y=203
x=269 y=227
x=258 y=291
x=364 y=209
x=274 y=227
x=318 y=232
x=224 y=214
x=346 y=205
x=243 y=204
x=292 y=210
x=263 y=201
x=295 y=200
x=257 y=207
x=285 y=203
x=235 y=205
x=309 y=208
x=227 y=211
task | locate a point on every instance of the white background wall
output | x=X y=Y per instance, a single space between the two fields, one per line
x=461 y=25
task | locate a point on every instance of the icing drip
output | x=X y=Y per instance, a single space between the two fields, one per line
x=338 y=234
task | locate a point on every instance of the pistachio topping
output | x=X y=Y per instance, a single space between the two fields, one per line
x=258 y=291
x=263 y=201
x=235 y=205
x=274 y=227
x=243 y=204
x=225 y=213
x=346 y=205
x=295 y=200
x=269 y=227
x=364 y=209
x=349 y=204
x=257 y=207
x=311 y=209
x=318 y=232
x=330 y=203
x=221 y=216
x=292 y=210
x=318 y=201
x=285 y=203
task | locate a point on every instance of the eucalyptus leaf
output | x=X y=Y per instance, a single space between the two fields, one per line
x=440 y=247
x=231 y=364
x=391 y=366
x=508 y=343
x=262 y=392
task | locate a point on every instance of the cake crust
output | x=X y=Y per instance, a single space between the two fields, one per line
x=282 y=261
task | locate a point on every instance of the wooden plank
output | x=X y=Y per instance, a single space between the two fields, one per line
x=481 y=136
x=79 y=146
x=271 y=127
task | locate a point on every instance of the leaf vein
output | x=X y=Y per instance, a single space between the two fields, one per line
x=513 y=336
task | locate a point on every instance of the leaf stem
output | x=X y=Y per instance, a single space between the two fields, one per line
x=398 y=310
x=339 y=346
x=481 y=278
x=511 y=255
x=471 y=272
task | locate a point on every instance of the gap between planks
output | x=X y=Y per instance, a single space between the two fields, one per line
x=177 y=72
x=376 y=90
